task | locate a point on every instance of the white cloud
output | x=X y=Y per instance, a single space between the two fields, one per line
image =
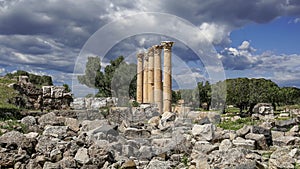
x=297 y=20
x=215 y=33
x=2 y=70
x=240 y=58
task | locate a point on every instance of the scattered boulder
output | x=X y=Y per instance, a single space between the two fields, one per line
x=15 y=140
x=82 y=156
x=72 y=123
x=56 y=131
x=165 y=141
x=247 y=144
x=243 y=131
x=28 y=120
x=259 y=139
x=284 y=141
x=281 y=159
x=225 y=145
x=263 y=108
x=50 y=119
x=204 y=132
x=282 y=125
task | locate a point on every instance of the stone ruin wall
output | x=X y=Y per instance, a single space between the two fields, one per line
x=45 y=98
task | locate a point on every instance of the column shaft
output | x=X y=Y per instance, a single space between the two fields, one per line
x=150 y=75
x=167 y=85
x=145 y=80
x=139 y=81
x=158 y=78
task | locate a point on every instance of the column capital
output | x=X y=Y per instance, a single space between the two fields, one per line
x=167 y=45
x=157 y=49
x=140 y=55
x=146 y=57
x=150 y=52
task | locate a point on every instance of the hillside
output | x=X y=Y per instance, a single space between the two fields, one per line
x=6 y=94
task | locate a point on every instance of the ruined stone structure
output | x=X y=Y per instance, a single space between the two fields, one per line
x=150 y=87
x=46 y=98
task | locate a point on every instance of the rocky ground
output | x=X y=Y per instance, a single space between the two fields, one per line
x=142 y=138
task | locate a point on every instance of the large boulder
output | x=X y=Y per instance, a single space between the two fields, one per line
x=82 y=156
x=50 y=119
x=56 y=131
x=88 y=125
x=99 y=155
x=15 y=139
x=73 y=124
x=265 y=131
x=285 y=141
x=104 y=132
x=281 y=159
x=232 y=158
x=283 y=125
x=28 y=120
x=263 y=108
x=247 y=144
x=225 y=145
x=259 y=139
x=204 y=132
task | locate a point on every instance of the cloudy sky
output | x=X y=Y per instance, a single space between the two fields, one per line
x=254 y=39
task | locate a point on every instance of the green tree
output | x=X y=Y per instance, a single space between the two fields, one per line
x=123 y=82
x=176 y=95
x=289 y=96
x=238 y=92
x=204 y=94
x=67 y=88
x=92 y=72
x=118 y=78
x=262 y=91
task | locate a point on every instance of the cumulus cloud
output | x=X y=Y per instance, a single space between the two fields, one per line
x=240 y=58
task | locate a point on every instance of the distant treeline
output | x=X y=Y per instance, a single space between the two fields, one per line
x=243 y=93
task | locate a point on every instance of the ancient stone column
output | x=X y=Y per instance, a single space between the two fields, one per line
x=167 y=85
x=145 y=79
x=158 y=78
x=150 y=75
x=139 y=81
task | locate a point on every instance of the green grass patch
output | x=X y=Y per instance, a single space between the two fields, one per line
x=10 y=125
x=295 y=106
x=6 y=94
x=235 y=125
x=267 y=154
x=297 y=166
x=234 y=110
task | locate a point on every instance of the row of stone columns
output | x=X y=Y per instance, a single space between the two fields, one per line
x=150 y=88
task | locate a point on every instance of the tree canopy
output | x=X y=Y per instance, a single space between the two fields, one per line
x=118 y=78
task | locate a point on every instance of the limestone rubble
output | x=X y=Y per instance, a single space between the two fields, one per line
x=143 y=138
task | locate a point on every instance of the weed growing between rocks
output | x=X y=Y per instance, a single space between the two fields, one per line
x=237 y=124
